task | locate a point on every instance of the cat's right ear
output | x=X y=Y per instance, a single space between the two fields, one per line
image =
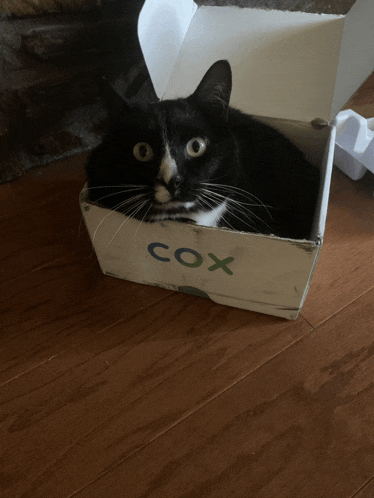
x=215 y=87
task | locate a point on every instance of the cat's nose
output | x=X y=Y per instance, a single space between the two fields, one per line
x=174 y=184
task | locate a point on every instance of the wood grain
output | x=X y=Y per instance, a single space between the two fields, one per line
x=121 y=389
x=60 y=305
x=301 y=426
x=41 y=218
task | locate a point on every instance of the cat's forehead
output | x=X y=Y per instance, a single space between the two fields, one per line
x=178 y=114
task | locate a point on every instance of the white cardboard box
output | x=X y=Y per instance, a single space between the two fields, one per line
x=289 y=68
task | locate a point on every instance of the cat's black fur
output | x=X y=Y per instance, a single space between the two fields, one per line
x=268 y=185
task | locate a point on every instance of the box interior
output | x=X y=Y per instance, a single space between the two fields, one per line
x=318 y=147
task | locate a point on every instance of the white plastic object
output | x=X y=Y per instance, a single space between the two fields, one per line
x=354 y=146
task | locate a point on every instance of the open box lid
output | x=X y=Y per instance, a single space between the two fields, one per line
x=290 y=65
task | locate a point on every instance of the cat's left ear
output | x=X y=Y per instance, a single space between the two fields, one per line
x=215 y=87
x=130 y=89
x=114 y=101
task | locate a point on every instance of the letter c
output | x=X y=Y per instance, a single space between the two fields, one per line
x=151 y=251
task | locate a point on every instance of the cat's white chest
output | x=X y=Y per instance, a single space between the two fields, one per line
x=209 y=218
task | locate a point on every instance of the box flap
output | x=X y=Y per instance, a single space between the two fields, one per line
x=318 y=229
x=356 y=59
x=162 y=27
x=284 y=64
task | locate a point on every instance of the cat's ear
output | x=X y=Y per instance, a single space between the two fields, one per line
x=137 y=87
x=215 y=87
x=134 y=88
x=113 y=100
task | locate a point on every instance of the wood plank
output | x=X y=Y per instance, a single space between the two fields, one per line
x=345 y=269
x=36 y=185
x=60 y=305
x=301 y=426
x=99 y=402
x=41 y=218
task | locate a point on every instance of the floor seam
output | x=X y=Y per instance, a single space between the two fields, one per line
x=337 y=312
x=363 y=486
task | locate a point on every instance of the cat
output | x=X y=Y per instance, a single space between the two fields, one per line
x=198 y=160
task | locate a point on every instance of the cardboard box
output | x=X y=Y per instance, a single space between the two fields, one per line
x=289 y=68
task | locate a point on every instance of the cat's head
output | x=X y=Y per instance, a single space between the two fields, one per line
x=159 y=157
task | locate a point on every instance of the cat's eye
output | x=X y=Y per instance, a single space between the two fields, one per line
x=196 y=147
x=143 y=152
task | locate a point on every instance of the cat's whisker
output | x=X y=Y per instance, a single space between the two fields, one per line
x=247 y=194
x=204 y=200
x=250 y=214
x=119 y=185
x=200 y=197
x=230 y=210
x=243 y=221
x=214 y=202
x=240 y=191
x=232 y=200
x=113 y=209
x=145 y=214
x=227 y=223
x=222 y=185
x=131 y=199
x=212 y=197
x=221 y=198
x=234 y=189
x=132 y=209
x=240 y=206
x=117 y=193
x=136 y=209
x=219 y=177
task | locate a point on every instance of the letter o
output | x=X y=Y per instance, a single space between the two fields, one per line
x=180 y=251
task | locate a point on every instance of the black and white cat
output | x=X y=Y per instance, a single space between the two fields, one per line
x=199 y=160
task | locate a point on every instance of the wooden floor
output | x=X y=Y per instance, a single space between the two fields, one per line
x=114 y=389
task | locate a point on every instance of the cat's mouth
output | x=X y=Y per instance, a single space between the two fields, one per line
x=164 y=200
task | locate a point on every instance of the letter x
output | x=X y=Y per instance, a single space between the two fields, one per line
x=220 y=264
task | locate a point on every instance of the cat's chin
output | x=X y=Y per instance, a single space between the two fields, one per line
x=171 y=210
x=171 y=205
